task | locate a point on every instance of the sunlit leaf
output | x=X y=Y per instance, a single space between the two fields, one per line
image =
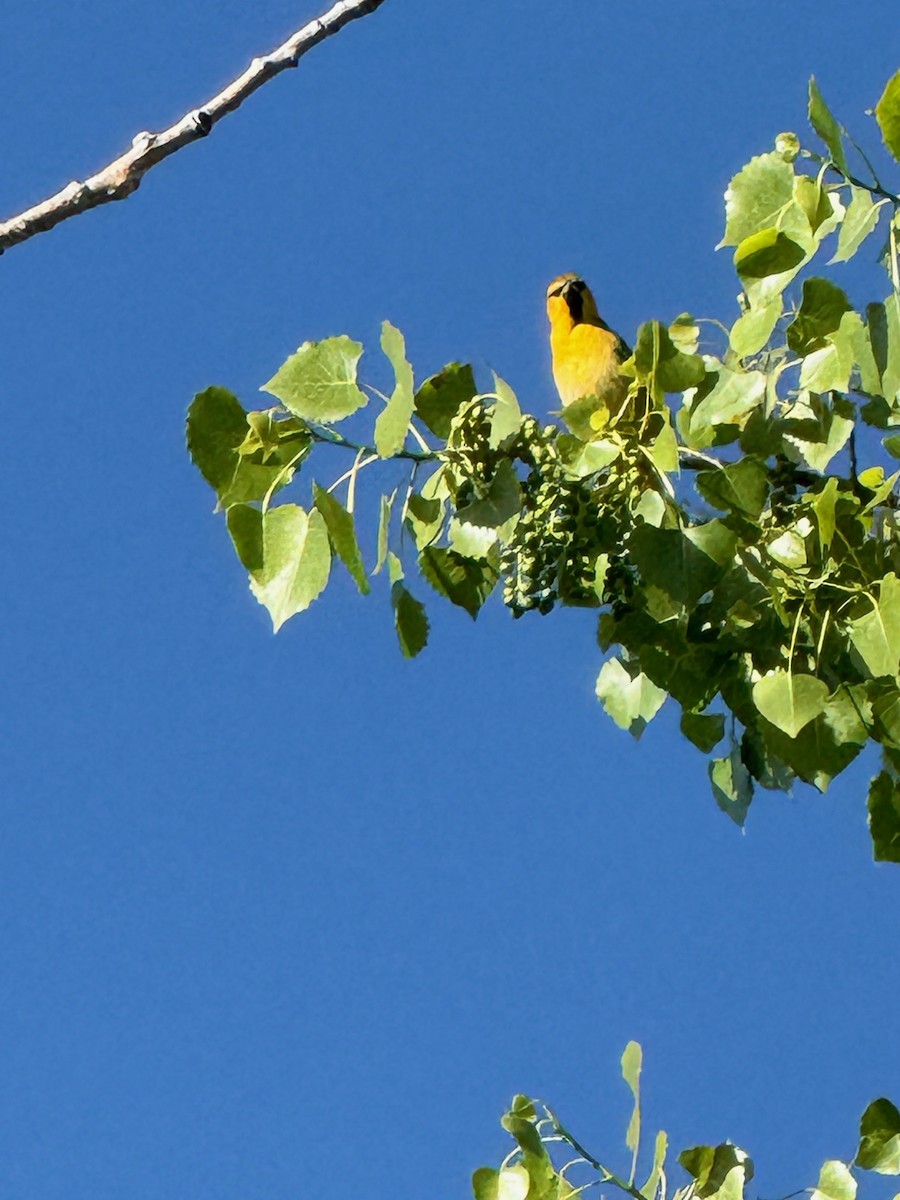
x=295 y=562
x=861 y=219
x=758 y=197
x=876 y=634
x=631 y=1073
x=826 y=126
x=342 y=531
x=836 y=1182
x=393 y=423
x=732 y=786
x=631 y=702
x=718 y=1171
x=887 y=114
x=507 y=416
x=318 y=383
x=790 y=700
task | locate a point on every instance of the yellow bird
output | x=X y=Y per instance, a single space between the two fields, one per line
x=586 y=353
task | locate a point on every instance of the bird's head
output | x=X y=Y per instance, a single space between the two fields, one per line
x=570 y=302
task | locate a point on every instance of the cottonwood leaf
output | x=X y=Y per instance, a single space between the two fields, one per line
x=508 y=1183
x=757 y=197
x=441 y=396
x=732 y=787
x=318 y=383
x=392 y=424
x=836 y=1182
x=879 y=1138
x=742 y=486
x=670 y=561
x=719 y=1171
x=342 y=531
x=876 y=634
x=704 y=730
x=861 y=218
x=887 y=114
x=826 y=126
x=464 y=582
x=631 y=702
x=884 y=817
x=790 y=700
x=506 y=416
x=296 y=561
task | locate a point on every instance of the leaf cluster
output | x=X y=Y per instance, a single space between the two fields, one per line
x=733 y=522
x=547 y=1162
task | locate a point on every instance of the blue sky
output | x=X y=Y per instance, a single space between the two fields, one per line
x=287 y=916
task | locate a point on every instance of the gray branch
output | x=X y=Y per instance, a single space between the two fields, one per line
x=122 y=176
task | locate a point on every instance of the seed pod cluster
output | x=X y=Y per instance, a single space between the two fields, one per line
x=553 y=552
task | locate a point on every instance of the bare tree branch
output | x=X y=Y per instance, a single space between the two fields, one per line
x=122 y=176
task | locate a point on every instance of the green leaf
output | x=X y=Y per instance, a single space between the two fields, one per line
x=509 y=1183
x=464 y=582
x=506 y=416
x=884 y=817
x=245 y=526
x=296 y=561
x=705 y=731
x=876 y=634
x=768 y=252
x=862 y=217
x=879 y=1138
x=835 y=1182
x=632 y=1058
x=662 y=364
x=631 y=702
x=525 y=1133
x=758 y=197
x=318 y=383
x=725 y=398
x=732 y=787
x=826 y=126
x=887 y=114
x=650 y=1188
x=392 y=425
x=216 y=426
x=342 y=531
x=884 y=335
x=741 y=487
x=441 y=396
x=819 y=427
x=824 y=503
x=670 y=561
x=410 y=620
x=501 y=501
x=719 y=1171
x=384 y=528
x=826 y=745
x=522 y=1106
x=751 y=331
x=821 y=309
x=790 y=700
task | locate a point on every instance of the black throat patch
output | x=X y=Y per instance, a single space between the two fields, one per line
x=575 y=301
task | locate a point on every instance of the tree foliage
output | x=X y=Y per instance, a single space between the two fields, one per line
x=737 y=533
x=547 y=1162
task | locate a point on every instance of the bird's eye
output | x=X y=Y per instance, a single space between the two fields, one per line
x=556 y=291
x=579 y=285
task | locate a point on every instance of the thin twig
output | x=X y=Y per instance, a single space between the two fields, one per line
x=122 y=176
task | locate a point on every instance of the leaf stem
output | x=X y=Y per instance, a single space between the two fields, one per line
x=336 y=439
x=608 y=1176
